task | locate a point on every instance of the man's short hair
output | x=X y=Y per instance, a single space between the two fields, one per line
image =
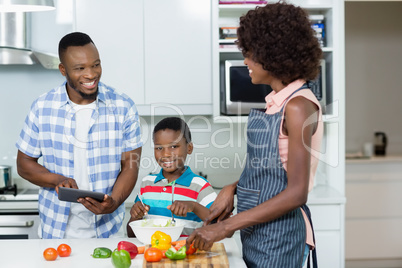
x=73 y=39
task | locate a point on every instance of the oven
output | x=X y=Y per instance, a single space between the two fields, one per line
x=19 y=215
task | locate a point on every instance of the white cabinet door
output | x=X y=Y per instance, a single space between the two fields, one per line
x=50 y=26
x=116 y=27
x=329 y=248
x=178 y=53
x=328 y=234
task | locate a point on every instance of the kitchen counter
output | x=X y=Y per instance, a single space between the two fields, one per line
x=29 y=253
x=374 y=159
x=324 y=194
x=373 y=212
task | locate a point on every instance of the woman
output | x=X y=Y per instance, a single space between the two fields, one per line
x=280 y=50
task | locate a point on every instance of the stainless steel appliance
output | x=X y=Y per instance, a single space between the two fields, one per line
x=19 y=215
x=238 y=94
x=5 y=176
x=15 y=42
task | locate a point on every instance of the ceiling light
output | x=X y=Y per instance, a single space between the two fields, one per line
x=26 y=5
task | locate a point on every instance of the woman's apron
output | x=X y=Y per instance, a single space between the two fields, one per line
x=279 y=243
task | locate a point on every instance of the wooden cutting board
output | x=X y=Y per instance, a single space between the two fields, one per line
x=201 y=259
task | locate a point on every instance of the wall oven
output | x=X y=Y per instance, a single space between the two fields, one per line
x=19 y=215
x=238 y=94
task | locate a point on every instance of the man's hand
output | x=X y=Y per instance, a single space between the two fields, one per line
x=108 y=205
x=66 y=182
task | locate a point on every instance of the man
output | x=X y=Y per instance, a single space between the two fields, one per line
x=89 y=138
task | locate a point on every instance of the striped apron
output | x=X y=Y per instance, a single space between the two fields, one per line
x=279 y=243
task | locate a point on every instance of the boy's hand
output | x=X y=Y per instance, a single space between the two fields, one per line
x=180 y=208
x=138 y=211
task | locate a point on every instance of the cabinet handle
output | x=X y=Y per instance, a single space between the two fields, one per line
x=17 y=224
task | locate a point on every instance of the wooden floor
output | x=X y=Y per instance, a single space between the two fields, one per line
x=397 y=263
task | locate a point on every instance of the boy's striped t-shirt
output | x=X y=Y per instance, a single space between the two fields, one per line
x=156 y=192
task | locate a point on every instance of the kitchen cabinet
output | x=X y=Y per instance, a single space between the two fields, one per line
x=157 y=52
x=47 y=28
x=327 y=210
x=177 y=51
x=117 y=30
x=373 y=213
x=330 y=178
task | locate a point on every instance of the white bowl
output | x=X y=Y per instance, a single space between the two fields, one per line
x=144 y=233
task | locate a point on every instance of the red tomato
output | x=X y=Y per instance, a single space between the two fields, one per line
x=153 y=254
x=64 y=250
x=50 y=254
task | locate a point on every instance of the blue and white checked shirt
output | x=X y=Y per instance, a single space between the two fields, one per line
x=49 y=132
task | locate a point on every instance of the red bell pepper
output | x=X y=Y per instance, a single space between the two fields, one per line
x=191 y=249
x=129 y=247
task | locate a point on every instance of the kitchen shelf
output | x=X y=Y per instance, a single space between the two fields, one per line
x=232 y=50
x=244 y=7
x=229 y=50
x=243 y=119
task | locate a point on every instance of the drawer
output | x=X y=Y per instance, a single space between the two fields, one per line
x=373 y=239
x=326 y=217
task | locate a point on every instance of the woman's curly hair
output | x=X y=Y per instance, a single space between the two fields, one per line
x=279 y=36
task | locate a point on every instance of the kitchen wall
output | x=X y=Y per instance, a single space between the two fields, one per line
x=373 y=42
x=219 y=148
x=20 y=85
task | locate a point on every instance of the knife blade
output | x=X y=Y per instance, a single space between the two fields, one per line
x=204 y=254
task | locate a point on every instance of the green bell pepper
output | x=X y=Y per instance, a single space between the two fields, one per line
x=174 y=254
x=102 y=253
x=121 y=258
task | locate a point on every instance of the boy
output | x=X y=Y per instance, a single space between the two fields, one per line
x=192 y=194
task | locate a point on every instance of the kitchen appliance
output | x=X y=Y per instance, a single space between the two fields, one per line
x=380 y=143
x=238 y=94
x=6 y=176
x=15 y=42
x=26 y=5
x=19 y=214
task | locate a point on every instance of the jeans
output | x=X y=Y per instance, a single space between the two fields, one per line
x=306 y=251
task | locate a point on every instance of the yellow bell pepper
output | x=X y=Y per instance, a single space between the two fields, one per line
x=161 y=240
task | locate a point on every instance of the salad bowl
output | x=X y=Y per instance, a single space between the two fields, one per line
x=144 y=229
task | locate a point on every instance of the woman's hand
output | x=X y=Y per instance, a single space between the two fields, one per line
x=204 y=237
x=223 y=205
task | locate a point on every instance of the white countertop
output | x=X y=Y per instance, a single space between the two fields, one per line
x=29 y=253
x=323 y=194
x=374 y=159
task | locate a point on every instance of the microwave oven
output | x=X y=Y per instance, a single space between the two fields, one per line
x=238 y=95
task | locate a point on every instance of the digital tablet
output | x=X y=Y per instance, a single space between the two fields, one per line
x=71 y=195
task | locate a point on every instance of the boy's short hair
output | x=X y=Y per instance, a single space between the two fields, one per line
x=176 y=124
